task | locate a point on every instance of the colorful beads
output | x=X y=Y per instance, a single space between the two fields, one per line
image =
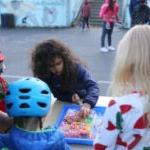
x=74 y=125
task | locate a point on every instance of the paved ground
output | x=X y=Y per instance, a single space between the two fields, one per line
x=17 y=46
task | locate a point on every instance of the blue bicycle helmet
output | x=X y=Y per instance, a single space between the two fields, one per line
x=28 y=97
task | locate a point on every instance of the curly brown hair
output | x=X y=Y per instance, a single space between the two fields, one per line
x=44 y=54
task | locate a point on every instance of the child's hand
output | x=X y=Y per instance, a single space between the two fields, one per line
x=5 y=122
x=3 y=114
x=85 y=110
x=75 y=98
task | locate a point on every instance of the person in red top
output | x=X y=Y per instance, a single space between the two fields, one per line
x=109 y=15
x=5 y=121
x=85 y=14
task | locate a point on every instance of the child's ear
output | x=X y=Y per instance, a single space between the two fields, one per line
x=43 y=119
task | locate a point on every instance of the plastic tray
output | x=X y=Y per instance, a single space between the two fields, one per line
x=73 y=140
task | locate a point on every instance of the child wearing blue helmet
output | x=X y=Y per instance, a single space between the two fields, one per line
x=28 y=102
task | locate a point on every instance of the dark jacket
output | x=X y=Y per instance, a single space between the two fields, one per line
x=132 y=6
x=141 y=14
x=18 y=139
x=86 y=87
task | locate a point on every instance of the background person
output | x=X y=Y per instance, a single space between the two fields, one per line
x=5 y=121
x=109 y=15
x=132 y=6
x=85 y=14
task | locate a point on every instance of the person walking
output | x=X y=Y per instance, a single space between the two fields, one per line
x=109 y=15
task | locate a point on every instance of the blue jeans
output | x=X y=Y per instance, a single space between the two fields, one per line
x=107 y=32
x=85 y=21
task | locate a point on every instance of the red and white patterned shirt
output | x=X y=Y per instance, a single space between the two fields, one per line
x=124 y=125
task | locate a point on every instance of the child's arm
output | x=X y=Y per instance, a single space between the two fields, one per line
x=117 y=11
x=92 y=89
x=117 y=18
x=102 y=11
x=85 y=110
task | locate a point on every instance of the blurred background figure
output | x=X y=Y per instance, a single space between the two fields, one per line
x=141 y=13
x=85 y=14
x=109 y=15
x=132 y=5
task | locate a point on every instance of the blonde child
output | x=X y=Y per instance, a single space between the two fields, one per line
x=85 y=14
x=126 y=123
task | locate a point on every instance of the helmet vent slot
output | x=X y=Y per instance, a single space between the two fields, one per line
x=24 y=97
x=41 y=104
x=8 y=93
x=44 y=92
x=25 y=90
x=24 y=105
x=9 y=105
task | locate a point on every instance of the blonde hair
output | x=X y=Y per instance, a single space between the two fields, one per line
x=29 y=123
x=132 y=63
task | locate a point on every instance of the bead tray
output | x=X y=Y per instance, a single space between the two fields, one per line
x=92 y=124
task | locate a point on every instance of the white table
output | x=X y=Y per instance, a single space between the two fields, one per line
x=103 y=101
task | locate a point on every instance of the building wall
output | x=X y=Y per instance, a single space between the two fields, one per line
x=41 y=13
x=52 y=13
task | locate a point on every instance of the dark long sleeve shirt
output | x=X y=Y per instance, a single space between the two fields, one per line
x=86 y=87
